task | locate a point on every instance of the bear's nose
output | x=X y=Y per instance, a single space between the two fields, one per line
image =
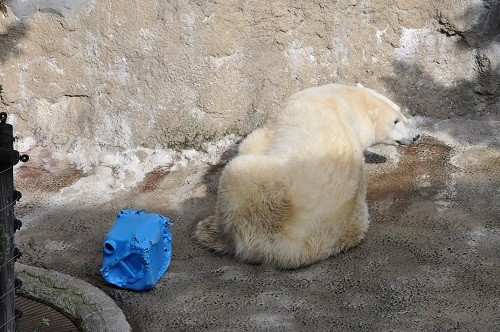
x=416 y=137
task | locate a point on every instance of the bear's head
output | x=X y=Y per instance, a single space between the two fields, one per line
x=391 y=126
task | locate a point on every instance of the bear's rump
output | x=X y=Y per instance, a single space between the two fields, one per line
x=266 y=224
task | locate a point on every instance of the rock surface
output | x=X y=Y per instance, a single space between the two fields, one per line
x=119 y=74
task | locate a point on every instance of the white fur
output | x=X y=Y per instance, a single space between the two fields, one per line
x=296 y=193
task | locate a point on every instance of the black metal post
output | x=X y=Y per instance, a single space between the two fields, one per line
x=7 y=199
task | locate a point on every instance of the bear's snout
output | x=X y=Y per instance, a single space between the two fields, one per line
x=416 y=138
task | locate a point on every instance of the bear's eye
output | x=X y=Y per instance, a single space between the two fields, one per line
x=396 y=121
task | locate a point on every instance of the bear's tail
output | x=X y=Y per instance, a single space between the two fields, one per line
x=209 y=234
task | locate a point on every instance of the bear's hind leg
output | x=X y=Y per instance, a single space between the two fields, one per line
x=210 y=234
x=255 y=206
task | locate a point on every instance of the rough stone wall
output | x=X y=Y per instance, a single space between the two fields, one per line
x=157 y=73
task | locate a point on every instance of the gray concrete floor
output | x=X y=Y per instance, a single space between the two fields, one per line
x=430 y=260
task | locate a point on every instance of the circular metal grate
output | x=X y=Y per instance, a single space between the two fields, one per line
x=37 y=316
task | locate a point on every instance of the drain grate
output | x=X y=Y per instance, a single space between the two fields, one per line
x=38 y=316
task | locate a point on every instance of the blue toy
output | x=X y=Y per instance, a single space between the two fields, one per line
x=137 y=250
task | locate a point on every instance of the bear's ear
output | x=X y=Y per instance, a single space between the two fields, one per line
x=373 y=113
x=359 y=85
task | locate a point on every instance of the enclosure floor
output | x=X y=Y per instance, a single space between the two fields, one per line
x=430 y=260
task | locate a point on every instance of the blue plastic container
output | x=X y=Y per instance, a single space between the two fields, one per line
x=137 y=250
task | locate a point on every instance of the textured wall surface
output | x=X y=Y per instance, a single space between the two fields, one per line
x=123 y=74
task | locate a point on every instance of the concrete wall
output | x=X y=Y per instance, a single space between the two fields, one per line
x=155 y=73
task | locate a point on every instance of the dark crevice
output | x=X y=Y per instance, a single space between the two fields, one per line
x=76 y=96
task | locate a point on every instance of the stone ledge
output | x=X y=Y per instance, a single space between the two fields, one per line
x=87 y=304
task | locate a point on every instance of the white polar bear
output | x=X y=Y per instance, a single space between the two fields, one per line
x=296 y=193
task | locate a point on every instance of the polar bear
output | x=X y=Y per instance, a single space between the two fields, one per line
x=296 y=193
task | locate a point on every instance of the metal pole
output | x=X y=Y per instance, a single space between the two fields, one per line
x=7 y=199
